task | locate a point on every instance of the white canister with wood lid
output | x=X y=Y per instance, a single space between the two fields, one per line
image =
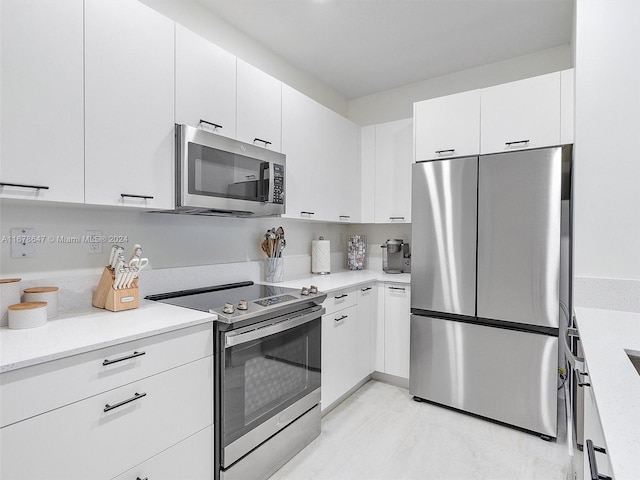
x=27 y=315
x=44 y=294
x=9 y=295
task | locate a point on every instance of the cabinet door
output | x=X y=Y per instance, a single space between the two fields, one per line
x=567 y=102
x=191 y=459
x=129 y=98
x=367 y=303
x=394 y=156
x=259 y=107
x=593 y=431
x=522 y=114
x=42 y=110
x=339 y=335
x=341 y=169
x=205 y=83
x=367 y=173
x=303 y=121
x=447 y=126
x=397 y=308
x=82 y=440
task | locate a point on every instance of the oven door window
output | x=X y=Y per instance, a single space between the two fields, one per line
x=217 y=173
x=265 y=376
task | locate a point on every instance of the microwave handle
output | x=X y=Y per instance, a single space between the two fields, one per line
x=234 y=338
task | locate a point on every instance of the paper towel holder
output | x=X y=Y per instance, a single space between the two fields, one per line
x=320 y=256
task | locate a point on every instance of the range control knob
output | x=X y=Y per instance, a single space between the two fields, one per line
x=304 y=291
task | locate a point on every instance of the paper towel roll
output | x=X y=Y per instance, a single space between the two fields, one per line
x=321 y=256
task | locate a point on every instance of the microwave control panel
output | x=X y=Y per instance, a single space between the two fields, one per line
x=278 y=183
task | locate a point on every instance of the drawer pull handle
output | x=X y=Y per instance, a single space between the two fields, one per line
x=132 y=195
x=344 y=216
x=121 y=359
x=145 y=478
x=584 y=384
x=214 y=125
x=365 y=289
x=135 y=397
x=397 y=288
x=450 y=151
x=508 y=144
x=266 y=142
x=307 y=213
x=341 y=296
x=341 y=318
x=593 y=466
x=20 y=185
x=396 y=218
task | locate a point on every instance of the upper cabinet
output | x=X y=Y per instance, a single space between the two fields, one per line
x=205 y=84
x=447 y=126
x=259 y=107
x=567 y=105
x=129 y=105
x=394 y=156
x=42 y=107
x=522 y=114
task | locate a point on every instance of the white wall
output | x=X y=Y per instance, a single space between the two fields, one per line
x=607 y=139
x=397 y=103
x=202 y=21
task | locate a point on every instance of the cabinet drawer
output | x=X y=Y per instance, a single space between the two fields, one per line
x=73 y=378
x=83 y=441
x=338 y=300
x=190 y=459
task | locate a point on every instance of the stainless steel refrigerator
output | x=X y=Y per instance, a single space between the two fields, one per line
x=485 y=284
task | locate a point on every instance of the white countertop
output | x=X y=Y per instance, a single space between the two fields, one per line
x=348 y=278
x=83 y=332
x=605 y=334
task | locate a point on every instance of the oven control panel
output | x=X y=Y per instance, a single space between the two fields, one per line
x=266 y=302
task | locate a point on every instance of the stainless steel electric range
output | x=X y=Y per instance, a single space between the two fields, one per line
x=267 y=373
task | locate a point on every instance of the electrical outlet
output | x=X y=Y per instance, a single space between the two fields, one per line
x=94 y=241
x=23 y=242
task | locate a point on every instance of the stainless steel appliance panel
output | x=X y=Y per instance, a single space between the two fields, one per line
x=519 y=221
x=444 y=211
x=505 y=375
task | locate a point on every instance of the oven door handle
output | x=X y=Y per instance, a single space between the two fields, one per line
x=234 y=338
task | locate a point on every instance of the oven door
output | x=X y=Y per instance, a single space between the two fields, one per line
x=271 y=376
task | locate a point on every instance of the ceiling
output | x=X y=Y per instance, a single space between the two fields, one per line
x=360 y=47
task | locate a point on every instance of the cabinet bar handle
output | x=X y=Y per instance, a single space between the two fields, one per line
x=584 y=384
x=307 y=213
x=365 y=289
x=121 y=359
x=135 y=397
x=214 y=125
x=397 y=288
x=341 y=296
x=396 y=218
x=145 y=478
x=131 y=195
x=341 y=318
x=20 y=185
x=508 y=144
x=450 y=150
x=344 y=216
x=266 y=142
x=593 y=465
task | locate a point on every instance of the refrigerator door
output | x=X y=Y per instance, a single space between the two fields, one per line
x=505 y=375
x=443 y=250
x=519 y=213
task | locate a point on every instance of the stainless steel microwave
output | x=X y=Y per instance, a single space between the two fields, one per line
x=216 y=175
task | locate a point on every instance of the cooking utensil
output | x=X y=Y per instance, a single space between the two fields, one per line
x=119 y=272
x=116 y=252
x=136 y=252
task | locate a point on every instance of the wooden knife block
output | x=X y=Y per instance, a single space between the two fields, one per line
x=108 y=297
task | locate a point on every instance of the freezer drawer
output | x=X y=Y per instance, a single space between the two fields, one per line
x=443 y=252
x=501 y=374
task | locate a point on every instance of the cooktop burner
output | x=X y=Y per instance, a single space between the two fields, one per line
x=239 y=301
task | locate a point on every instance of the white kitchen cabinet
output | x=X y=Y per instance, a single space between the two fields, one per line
x=106 y=419
x=339 y=337
x=191 y=459
x=129 y=105
x=367 y=304
x=397 y=308
x=42 y=108
x=394 y=157
x=259 y=107
x=367 y=174
x=520 y=115
x=567 y=105
x=205 y=83
x=447 y=126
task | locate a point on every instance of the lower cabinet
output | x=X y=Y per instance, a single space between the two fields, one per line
x=367 y=304
x=397 y=307
x=600 y=466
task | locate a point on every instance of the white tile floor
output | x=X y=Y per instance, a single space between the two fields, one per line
x=381 y=433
